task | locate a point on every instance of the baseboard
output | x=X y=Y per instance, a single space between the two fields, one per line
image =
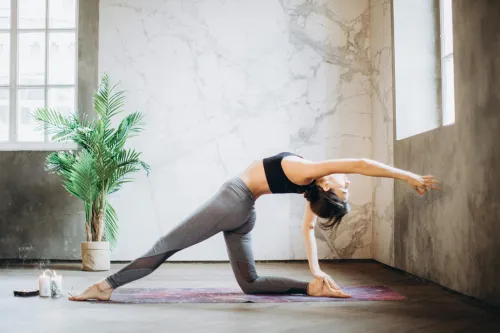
x=39 y=262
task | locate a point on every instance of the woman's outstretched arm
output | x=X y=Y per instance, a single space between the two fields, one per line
x=366 y=167
x=362 y=166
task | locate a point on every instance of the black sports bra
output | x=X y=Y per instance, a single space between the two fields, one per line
x=277 y=180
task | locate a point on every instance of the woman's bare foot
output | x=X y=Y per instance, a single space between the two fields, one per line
x=321 y=288
x=100 y=291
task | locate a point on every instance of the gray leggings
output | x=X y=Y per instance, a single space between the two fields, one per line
x=231 y=211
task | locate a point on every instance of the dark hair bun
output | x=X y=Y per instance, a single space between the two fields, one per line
x=312 y=193
x=326 y=205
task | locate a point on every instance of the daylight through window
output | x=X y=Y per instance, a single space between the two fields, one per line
x=38 y=53
x=447 y=76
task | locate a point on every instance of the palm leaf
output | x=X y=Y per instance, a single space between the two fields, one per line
x=52 y=122
x=83 y=179
x=108 y=103
x=60 y=162
x=127 y=162
x=129 y=126
x=111 y=226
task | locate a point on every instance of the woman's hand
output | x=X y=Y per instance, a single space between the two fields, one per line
x=323 y=285
x=421 y=184
x=321 y=275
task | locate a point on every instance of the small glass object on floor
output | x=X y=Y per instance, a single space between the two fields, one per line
x=56 y=285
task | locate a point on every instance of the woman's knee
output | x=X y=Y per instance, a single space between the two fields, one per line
x=246 y=280
x=248 y=288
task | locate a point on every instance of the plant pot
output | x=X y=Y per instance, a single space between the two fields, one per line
x=95 y=256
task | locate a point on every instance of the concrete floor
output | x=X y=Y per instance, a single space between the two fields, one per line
x=428 y=308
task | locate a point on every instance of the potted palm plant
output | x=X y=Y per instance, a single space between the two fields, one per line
x=98 y=168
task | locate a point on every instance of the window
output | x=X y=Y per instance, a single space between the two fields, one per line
x=417 y=98
x=447 y=75
x=38 y=53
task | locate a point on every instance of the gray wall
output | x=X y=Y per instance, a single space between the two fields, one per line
x=38 y=218
x=451 y=237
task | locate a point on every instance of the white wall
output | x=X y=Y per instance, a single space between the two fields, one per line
x=226 y=82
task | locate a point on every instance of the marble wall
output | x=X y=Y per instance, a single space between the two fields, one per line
x=381 y=57
x=224 y=83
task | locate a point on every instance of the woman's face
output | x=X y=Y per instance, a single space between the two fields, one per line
x=339 y=183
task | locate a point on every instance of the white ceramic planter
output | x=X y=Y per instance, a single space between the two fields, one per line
x=95 y=256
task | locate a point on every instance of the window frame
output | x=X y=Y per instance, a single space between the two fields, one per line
x=13 y=144
x=443 y=61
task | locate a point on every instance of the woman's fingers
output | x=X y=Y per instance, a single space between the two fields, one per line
x=334 y=288
x=332 y=283
x=431 y=184
x=430 y=180
x=423 y=183
x=328 y=282
x=344 y=294
x=419 y=190
x=340 y=293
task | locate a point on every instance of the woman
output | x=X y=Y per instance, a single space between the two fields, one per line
x=231 y=210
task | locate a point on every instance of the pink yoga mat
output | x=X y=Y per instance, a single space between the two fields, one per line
x=221 y=295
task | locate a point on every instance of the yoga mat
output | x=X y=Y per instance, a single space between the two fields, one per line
x=222 y=295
